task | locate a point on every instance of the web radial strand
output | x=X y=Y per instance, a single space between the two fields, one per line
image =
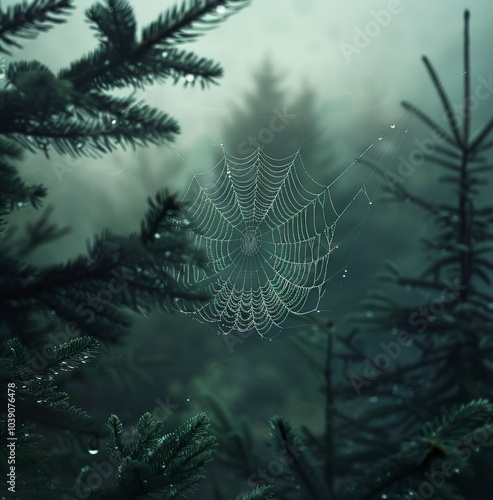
x=266 y=228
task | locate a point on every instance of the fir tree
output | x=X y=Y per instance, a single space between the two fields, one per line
x=269 y=118
x=445 y=368
x=450 y=329
x=74 y=112
x=433 y=442
x=392 y=453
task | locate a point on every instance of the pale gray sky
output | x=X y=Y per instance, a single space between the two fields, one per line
x=310 y=42
x=305 y=39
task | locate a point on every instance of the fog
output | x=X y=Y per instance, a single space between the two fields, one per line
x=319 y=44
x=339 y=71
x=308 y=40
x=353 y=61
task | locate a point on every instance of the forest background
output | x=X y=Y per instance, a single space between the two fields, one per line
x=291 y=58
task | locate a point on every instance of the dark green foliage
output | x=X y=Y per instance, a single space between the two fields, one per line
x=51 y=316
x=37 y=398
x=71 y=112
x=137 y=265
x=186 y=23
x=306 y=478
x=259 y=493
x=376 y=451
x=152 y=462
x=451 y=327
x=115 y=25
x=29 y=19
x=12 y=189
x=443 y=449
x=34 y=462
x=63 y=357
x=444 y=362
x=32 y=402
x=360 y=455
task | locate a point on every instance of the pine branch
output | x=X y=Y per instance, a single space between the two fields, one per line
x=145 y=437
x=195 y=69
x=443 y=446
x=40 y=233
x=21 y=359
x=101 y=71
x=117 y=443
x=121 y=60
x=70 y=355
x=155 y=463
x=161 y=210
x=14 y=192
x=28 y=19
x=56 y=413
x=481 y=137
x=445 y=102
x=85 y=296
x=431 y=123
x=306 y=476
x=447 y=430
x=140 y=267
x=70 y=113
x=37 y=399
x=115 y=25
x=95 y=127
x=39 y=90
x=186 y=23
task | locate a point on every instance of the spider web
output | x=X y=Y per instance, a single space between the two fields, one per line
x=267 y=229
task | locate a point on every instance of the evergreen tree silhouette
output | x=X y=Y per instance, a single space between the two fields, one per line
x=413 y=420
x=74 y=112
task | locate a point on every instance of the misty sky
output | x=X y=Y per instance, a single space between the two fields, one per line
x=305 y=40
x=310 y=42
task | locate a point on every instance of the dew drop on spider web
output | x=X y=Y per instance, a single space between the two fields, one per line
x=266 y=228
